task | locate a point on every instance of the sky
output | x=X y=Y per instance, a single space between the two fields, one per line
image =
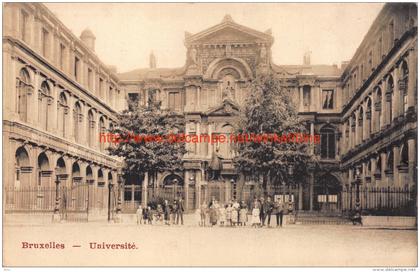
x=126 y=33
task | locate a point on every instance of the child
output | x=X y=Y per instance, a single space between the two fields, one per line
x=149 y=215
x=234 y=216
x=243 y=214
x=255 y=219
x=198 y=216
x=229 y=214
x=139 y=214
x=203 y=214
x=222 y=215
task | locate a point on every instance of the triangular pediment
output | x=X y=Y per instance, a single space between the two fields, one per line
x=228 y=107
x=229 y=32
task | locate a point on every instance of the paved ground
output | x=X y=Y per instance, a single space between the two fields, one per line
x=294 y=245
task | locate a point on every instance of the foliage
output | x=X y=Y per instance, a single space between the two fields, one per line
x=143 y=155
x=270 y=110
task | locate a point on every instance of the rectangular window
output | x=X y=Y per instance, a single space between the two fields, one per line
x=90 y=79
x=306 y=96
x=24 y=26
x=76 y=68
x=391 y=34
x=62 y=56
x=328 y=99
x=101 y=87
x=174 y=101
x=44 y=42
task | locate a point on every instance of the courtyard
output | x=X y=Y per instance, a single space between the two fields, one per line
x=189 y=245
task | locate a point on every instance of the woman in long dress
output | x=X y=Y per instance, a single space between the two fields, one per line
x=213 y=215
x=255 y=219
x=243 y=214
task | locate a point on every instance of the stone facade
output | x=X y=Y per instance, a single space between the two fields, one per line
x=365 y=111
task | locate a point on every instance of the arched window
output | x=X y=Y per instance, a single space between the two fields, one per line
x=23 y=168
x=76 y=177
x=102 y=130
x=403 y=86
x=369 y=118
x=89 y=175
x=62 y=114
x=23 y=89
x=378 y=108
x=389 y=95
x=101 y=181
x=77 y=119
x=404 y=155
x=44 y=102
x=328 y=143
x=43 y=169
x=378 y=169
x=368 y=173
x=61 y=167
x=360 y=124
x=91 y=129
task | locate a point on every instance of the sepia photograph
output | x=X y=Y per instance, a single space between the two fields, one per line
x=210 y=135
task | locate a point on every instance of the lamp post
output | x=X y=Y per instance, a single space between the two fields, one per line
x=110 y=185
x=119 y=192
x=357 y=183
x=56 y=215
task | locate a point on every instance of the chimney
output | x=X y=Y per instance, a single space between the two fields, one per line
x=88 y=39
x=307 y=58
x=152 y=61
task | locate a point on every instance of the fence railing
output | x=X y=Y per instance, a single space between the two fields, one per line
x=380 y=199
x=30 y=199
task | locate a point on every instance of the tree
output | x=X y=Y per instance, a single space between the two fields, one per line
x=270 y=110
x=143 y=140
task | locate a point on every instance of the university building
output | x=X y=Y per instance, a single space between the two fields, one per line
x=365 y=111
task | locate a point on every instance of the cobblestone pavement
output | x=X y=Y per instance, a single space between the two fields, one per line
x=293 y=245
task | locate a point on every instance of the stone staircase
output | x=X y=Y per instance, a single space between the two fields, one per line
x=321 y=218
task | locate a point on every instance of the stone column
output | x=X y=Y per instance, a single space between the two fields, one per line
x=357 y=132
x=32 y=101
x=412 y=161
x=144 y=190
x=186 y=182
x=300 y=204
x=383 y=167
x=343 y=138
x=312 y=131
x=311 y=190
x=365 y=124
x=396 y=111
x=412 y=77
x=210 y=146
x=396 y=152
x=384 y=107
x=70 y=119
x=52 y=105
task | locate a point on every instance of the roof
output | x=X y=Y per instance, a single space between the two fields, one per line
x=153 y=73
x=318 y=69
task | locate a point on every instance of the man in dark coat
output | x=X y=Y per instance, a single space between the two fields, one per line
x=268 y=209
x=278 y=210
x=166 y=212
x=262 y=214
x=180 y=211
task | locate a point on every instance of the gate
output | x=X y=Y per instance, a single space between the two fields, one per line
x=75 y=203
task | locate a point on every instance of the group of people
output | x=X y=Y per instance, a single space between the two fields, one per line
x=236 y=213
x=167 y=213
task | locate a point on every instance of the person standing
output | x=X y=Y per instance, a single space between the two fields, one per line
x=262 y=215
x=255 y=215
x=243 y=213
x=203 y=214
x=229 y=214
x=213 y=214
x=235 y=212
x=268 y=209
x=180 y=211
x=139 y=214
x=278 y=210
x=166 y=212
x=174 y=209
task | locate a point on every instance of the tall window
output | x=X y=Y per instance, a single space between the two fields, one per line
x=391 y=34
x=62 y=56
x=403 y=82
x=102 y=130
x=327 y=143
x=90 y=79
x=24 y=29
x=76 y=68
x=77 y=119
x=174 y=101
x=111 y=96
x=91 y=128
x=328 y=99
x=62 y=115
x=44 y=101
x=306 y=96
x=45 y=42
x=23 y=85
x=389 y=95
x=101 y=88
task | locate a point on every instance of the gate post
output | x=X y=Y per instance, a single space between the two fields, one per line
x=56 y=215
x=186 y=184
x=109 y=200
